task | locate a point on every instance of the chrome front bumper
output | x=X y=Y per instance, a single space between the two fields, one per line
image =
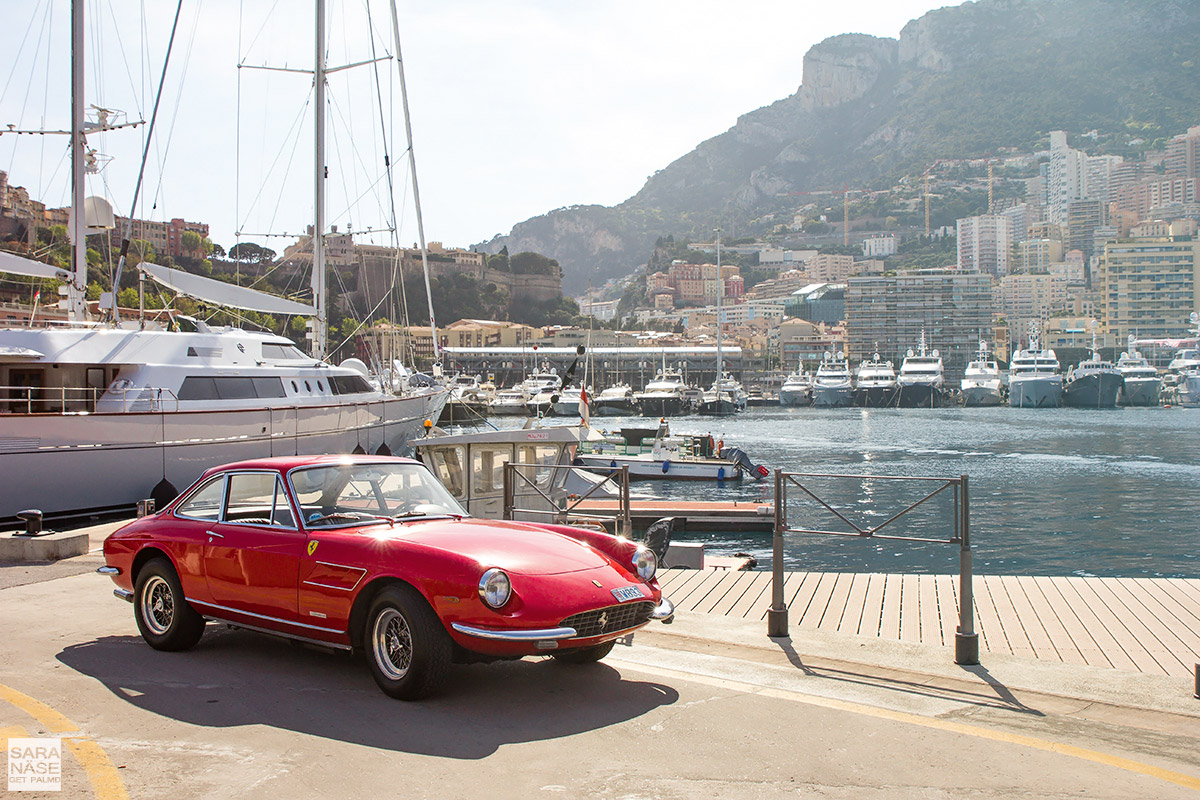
x=664 y=613
x=544 y=634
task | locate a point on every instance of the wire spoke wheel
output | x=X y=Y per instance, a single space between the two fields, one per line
x=158 y=605
x=392 y=644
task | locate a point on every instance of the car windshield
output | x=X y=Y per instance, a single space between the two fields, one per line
x=337 y=495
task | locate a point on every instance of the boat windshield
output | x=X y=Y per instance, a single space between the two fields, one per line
x=347 y=494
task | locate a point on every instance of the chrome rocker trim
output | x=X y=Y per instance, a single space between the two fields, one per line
x=514 y=636
x=664 y=612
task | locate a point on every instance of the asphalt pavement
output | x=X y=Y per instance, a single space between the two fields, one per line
x=707 y=707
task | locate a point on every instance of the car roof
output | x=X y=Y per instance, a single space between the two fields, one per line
x=286 y=463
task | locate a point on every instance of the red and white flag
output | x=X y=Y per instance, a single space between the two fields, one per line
x=583 y=406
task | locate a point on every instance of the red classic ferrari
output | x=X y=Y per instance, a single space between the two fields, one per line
x=373 y=553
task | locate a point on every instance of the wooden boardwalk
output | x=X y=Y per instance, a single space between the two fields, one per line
x=1149 y=625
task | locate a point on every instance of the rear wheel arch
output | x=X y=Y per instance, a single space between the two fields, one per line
x=145 y=555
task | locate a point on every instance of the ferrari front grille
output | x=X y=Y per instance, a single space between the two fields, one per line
x=609 y=620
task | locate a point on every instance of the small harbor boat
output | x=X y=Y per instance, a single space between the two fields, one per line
x=1093 y=382
x=1141 y=384
x=796 y=389
x=922 y=378
x=512 y=402
x=571 y=400
x=832 y=386
x=542 y=388
x=981 y=383
x=658 y=455
x=876 y=385
x=468 y=401
x=726 y=396
x=1034 y=377
x=1184 y=369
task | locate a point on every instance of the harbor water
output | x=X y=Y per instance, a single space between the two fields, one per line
x=1052 y=491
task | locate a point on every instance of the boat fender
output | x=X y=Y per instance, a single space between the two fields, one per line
x=721 y=473
x=612 y=465
x=383 y=450
x=666 y=467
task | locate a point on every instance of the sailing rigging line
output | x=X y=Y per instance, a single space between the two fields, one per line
x=187 y=59
x=294 y=134
x=125 y=59
x=398 y=262
x=137 y=189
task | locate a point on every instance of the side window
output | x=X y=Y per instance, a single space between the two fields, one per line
x=258 y=498
x=251 y=498
x=448 y=464
x=543 y=455
x=205 y=502
x=487 y=468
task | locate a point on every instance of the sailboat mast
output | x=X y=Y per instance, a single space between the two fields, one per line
x=320 y=322
x=720 y=291
x=78 y=292
x=412 y=168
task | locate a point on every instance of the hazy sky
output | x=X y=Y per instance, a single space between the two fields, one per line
x=518 y=107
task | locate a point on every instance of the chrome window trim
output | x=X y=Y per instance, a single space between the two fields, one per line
x=278 y=484
x=223 y=477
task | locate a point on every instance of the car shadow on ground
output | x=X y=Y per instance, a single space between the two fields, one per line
x=235 y=678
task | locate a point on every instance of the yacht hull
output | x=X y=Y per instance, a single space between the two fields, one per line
x=719 y=408
x=615 y=408
x=1140 y=392
x=832 y=396
x=71 y=463
x=795 y=397
x=921 y=395
x=672 y=406
x=458 y=411
x=1036 y=393
x=980 y=396
x=876 y=396
x=1093 y=391
x=1189 y=390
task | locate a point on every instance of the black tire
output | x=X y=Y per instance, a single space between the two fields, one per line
x=163 y=616
x=407 y=649
x=585 y=655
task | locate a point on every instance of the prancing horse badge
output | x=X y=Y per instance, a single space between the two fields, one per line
x=312 y=546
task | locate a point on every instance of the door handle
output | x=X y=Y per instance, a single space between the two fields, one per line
x=211 y=534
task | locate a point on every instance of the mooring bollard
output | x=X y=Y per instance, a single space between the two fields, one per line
x=1196 y=688
x=777 y=614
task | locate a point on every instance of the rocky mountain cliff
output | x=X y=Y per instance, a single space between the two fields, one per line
x=960 y=82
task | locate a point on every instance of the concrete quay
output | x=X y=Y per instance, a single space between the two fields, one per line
x=707 y=707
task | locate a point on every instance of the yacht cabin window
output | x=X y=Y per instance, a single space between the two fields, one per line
x=487 y=468
x=449 y=464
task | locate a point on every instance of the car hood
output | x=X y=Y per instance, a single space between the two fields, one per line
x=512 y=546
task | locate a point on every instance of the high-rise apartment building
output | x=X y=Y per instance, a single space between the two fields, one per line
x=1148 y=286
x=1183 y=154
x=984 y=243
x=954 y=308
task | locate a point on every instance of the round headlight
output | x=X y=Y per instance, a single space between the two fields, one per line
x=494 y=588
x=645 y=563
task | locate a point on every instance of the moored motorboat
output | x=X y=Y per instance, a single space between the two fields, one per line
x=1092 y=383
x=832 y=386
x=875 y=384
x=1141 y=384
x=922 y=378
x=616 y=401
x=981 y=383
x=796 y=389
x=1034 y=377
x=664 y=396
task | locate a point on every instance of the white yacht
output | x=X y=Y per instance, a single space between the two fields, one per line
x=541 y=388
x=1093 y=382
x=571 y=400
x=725 y=396
x=616 y=401
x=1142 y=384
x=875 y=384
x=468 y=401
x=922 y=379
x=1184 y=369
x=1034 y=377
x=513 y=402
x=796 y=389
x=97 y=415
x=832 y=387
x=663 y=396
x=981 y=383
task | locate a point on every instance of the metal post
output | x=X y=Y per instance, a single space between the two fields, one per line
x=777 y=615
x=507 y=480
x=966 y=640
x=626 y=516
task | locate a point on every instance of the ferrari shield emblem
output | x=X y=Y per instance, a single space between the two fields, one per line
x=312 y=546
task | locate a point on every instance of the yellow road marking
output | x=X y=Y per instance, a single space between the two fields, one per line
x=13 y=732
x=1141 y=768
x=101 y=774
